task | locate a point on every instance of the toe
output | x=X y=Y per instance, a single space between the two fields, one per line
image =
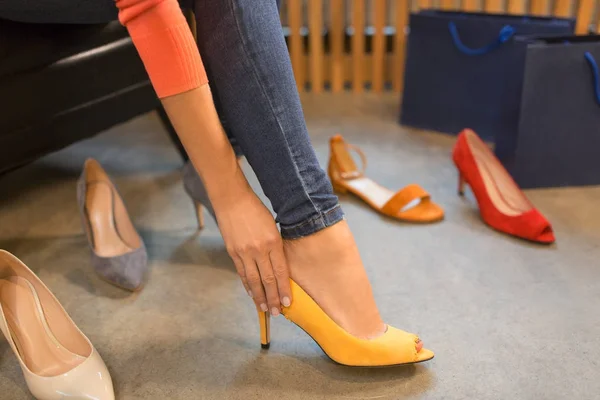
x=424 y=355
x=419 y=345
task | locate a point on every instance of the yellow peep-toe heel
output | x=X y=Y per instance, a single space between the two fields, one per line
x=394 y=347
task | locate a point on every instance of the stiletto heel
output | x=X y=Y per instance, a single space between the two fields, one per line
x=502 y=204
x=461 y=185
x=410 y=204
x=264 y=320
x=195 y=189
x=199 y=214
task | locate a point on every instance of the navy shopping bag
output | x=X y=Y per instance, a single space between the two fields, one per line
x=557 y=142
x=465 y=70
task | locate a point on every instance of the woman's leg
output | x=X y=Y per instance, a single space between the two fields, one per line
x=243 y=49
x=247 y=59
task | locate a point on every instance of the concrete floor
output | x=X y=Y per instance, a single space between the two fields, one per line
x=507 y=319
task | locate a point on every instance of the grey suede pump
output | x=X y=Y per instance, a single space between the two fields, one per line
x=118 y=253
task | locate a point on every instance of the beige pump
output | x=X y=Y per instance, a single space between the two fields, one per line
x=57 y=360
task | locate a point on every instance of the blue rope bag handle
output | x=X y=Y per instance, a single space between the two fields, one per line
x=594 y=66
x=505 y=34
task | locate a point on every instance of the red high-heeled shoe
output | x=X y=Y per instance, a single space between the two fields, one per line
x=502 y=204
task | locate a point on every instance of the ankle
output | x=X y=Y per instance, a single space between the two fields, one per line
x=332 y=240
x=328 y=267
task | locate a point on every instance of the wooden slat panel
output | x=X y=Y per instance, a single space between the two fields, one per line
x=562 y=8
x=470 y=5
x=336 y=43
x=516 y=6
x=296 y=42
x=424 y=4
x=368 y=66
x=358 y=45
x=447 y=4
x=379 y=46
x=402 y=10
x=584 y=15
x=315 y=32
x=538 y=7
x=494 y=6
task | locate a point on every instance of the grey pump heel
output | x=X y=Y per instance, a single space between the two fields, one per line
x=118 y=253
x=194 y=187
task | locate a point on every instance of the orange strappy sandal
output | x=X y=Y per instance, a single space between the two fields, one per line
x=410 y=204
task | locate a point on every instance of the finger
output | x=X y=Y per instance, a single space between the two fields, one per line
x=269 y=282
x=282 y=276
x=239 y=266
x=255 y=284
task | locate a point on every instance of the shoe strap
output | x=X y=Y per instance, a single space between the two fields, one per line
x=342 y=158
x=403 y=197
x=363 y=160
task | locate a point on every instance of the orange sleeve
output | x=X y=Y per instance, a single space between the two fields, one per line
x=165 y=43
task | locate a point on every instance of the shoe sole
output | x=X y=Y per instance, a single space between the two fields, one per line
x=356 y=366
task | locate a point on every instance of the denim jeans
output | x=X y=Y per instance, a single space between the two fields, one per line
x=245 y=55
x=244 y=52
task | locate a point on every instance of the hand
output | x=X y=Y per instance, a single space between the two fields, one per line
x=255 y=245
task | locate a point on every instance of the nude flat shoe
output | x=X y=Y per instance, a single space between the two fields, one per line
x=118 y=253
x=410 y=204
x=58 y=361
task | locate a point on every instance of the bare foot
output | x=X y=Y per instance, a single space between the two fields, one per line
x=328 y=267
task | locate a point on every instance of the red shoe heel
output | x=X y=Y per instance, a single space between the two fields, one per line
x=461 y=185
x=502 y=204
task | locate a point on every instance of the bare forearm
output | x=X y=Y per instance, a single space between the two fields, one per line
x=170 y=55
x=196 y=121
x=167 y=48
